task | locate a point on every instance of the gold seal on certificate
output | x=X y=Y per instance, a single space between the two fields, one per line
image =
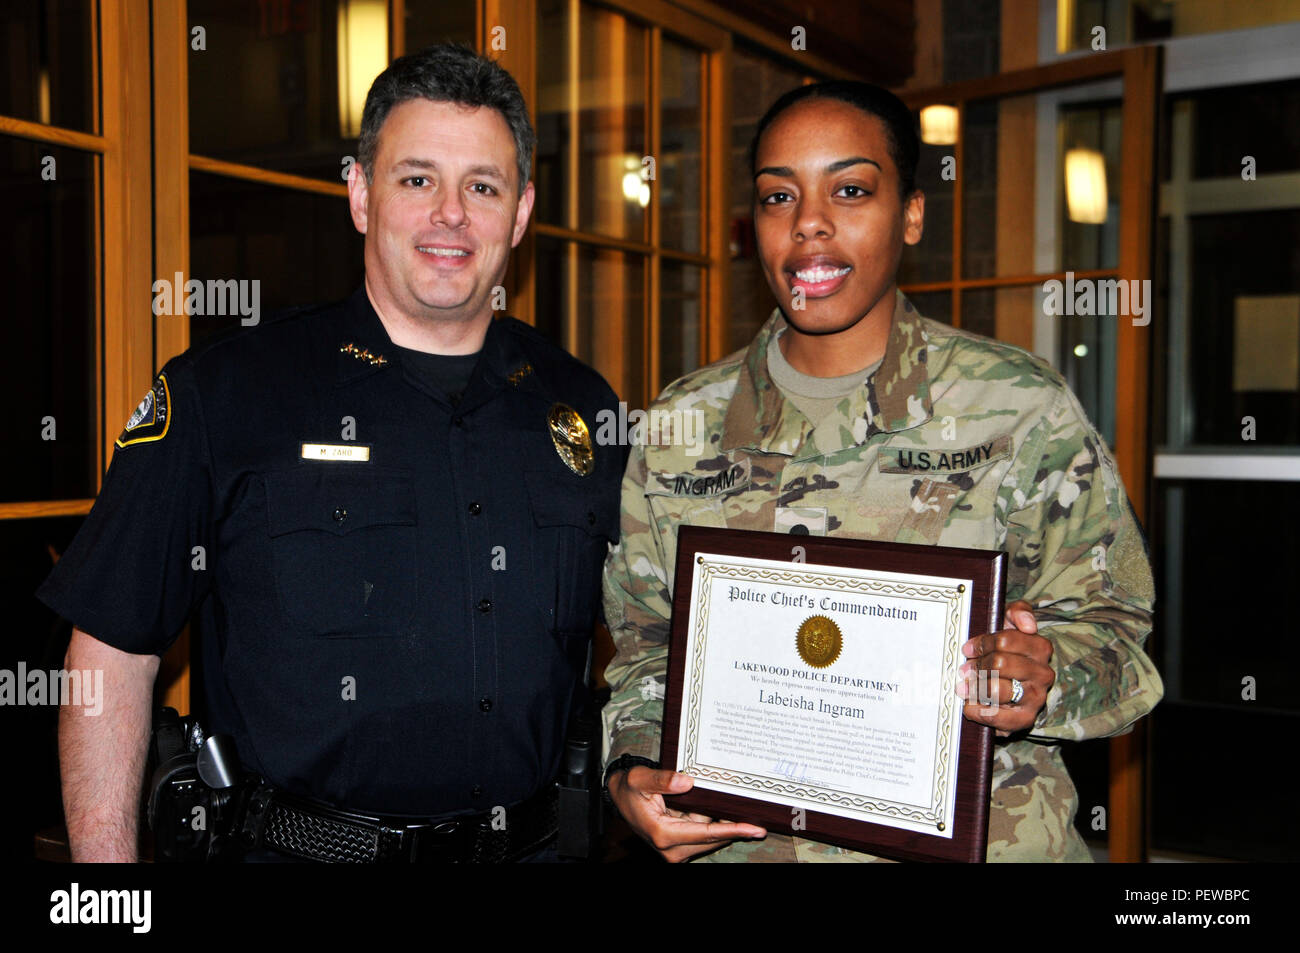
x=812 y=688
x=819 y=641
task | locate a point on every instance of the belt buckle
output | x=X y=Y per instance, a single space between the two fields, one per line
x=443 y=842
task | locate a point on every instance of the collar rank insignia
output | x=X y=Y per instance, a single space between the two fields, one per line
x=518 y=374
x=572 y=439
x=363 y=354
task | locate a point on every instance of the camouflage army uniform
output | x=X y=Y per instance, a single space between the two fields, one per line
x=956 y=440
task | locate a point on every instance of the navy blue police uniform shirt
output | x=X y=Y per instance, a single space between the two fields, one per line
x=397 y=622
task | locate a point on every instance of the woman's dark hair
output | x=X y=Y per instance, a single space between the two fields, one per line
x=900 y=124
x=447 y=73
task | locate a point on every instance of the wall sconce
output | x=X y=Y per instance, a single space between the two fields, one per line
x=939 y=125
x=1085 y=186
x=363 y=55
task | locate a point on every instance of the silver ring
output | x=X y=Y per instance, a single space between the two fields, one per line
x=1017 y=691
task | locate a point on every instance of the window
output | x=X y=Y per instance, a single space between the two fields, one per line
x=1144 y=21
x=625 y=270
x=987 y=256
x=758 y=81
x=1227 y=468
x=61 y=145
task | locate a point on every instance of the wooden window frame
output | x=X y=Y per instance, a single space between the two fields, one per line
x=122 y=238
x=166 y=207
x=1140 y=69
x=141 y=224
x=714 y=45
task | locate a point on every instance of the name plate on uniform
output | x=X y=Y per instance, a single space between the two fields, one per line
x=336 y=452
x=812 y=689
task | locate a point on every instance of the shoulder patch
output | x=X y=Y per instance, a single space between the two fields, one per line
x=152 y=419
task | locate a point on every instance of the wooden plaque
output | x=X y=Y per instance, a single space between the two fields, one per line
x=803 y=689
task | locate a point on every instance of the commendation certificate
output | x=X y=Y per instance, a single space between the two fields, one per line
x=821 y=686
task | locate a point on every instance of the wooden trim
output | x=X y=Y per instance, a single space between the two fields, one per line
x=715 y=309
x=171 y=222
x=592 y=238
x=652 y=361
x=1004 y=281
x=521 y=279
x=928 y=38
x=802 y=62
x=688 y=257
x=612 y=341
x=1017 y=45
x=520 y=59
x=571 y=263
x=1035 y=79
x=682 y=25
x=519 y=17
x=396 y=29
x=1140 y=117
x=43 y=508
x=713 y=44
x=96 y=81
x=128 y=233
x=56 y=135
x=249 y=173
x=1140 y=69
x=958 y=210
x=99 y=430
x=622 y=244
x=1017 y=123
x=702 y=216
x=1126 y=840
x=171 y=208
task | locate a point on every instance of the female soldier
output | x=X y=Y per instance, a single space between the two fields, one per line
x=850 y=414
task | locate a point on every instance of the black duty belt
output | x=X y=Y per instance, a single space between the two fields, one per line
x=311 y=830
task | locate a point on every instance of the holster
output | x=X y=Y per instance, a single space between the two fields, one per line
x=195 y=791
x=581 y=817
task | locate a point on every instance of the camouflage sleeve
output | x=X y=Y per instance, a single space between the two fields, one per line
x=637 y=610
x=1077 y=556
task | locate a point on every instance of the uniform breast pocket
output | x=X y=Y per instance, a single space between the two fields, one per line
x=573 y=527
x=344 y=547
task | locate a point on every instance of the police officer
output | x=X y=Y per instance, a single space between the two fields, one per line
x=390 y=512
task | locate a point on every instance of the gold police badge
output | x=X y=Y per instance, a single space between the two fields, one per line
x=819 y=641
x=572 y=439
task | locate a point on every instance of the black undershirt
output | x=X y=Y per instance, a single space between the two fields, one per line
x=449 y=373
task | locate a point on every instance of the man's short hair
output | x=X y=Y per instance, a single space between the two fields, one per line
x=447 y=73
x=900 y=125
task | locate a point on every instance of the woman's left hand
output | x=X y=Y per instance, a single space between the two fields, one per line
x=1016 y=654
